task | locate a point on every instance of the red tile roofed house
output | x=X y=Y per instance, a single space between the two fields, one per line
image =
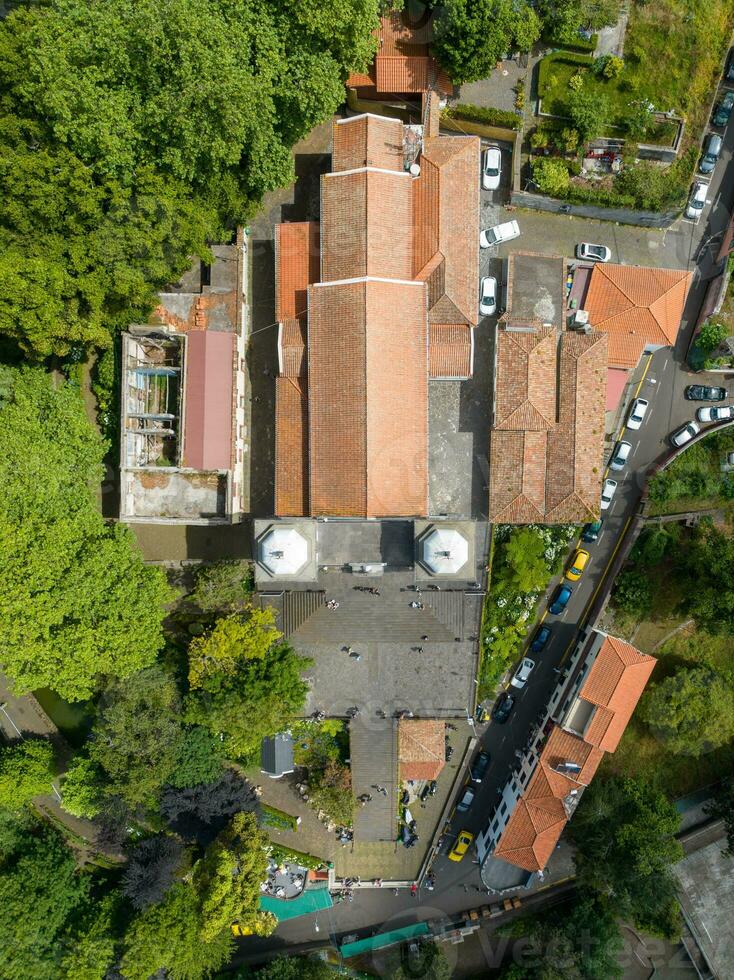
x=637 y=307
x=421 y=748
x=547 y=440
x=403 y=64
x=603 y=683
x=183 y=395
x=393 y=303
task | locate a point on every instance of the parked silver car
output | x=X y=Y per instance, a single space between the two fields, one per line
x=620 y=455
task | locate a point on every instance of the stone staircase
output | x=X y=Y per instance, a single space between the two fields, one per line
x=293 y=608
x=448 y=608
x=373 y=750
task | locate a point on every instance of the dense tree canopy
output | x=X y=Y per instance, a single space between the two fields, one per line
x=471 y=35
x=77 y=601
x=26 y=770
x=131 y=131
x=709 y=597
x=692 y=711
x=233 y=639
x=624 y=835
x=152 y=868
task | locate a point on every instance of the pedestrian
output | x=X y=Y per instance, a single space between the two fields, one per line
x=424 y=638
x=414 y=604
x=382 y=789
x=414 y=889
x=419 y=649
x=355 y=656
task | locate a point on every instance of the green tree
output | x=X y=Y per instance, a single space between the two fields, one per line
x=26 y=770
x=692 y=711
x=721 y=807
x=228 y=879
x=709 y=598
x=550 y=175
x=471 y=35
x=232 y=640
x=711 y=335
x=589 y=113
x=133 y=131
x=292 y=968
x=429 y=963
x=77 y=601
x=168 y=937
x=42 y=897
x=200 y=758
x=83 y=787
x=91 y=950
x=224 y=587
x=525 y=568
x=633 y=592
x=137 y=736
x=331 y=791
x=624 y=833
x=596 y=14
x=250 y=696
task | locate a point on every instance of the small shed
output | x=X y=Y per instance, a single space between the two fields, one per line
x=421 y=748
x=276 y=755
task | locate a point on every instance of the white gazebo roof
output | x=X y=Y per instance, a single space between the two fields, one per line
x=445 y=551
x=283 y=551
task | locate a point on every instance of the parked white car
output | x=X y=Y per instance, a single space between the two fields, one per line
x=523 y=672
x=593 y=253
x=697 y=200
x=488 y=296
x=715 y=413
x=683 y=435
x=620 y=455
x=500 y=233
x=637 y=414
x=492 y=168
x=607 y=493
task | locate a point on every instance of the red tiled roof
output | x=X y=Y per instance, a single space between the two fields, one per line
x=614 y=683
x=291 y=451
x=368 y=399
x=367 y=141
x=366 y=217
x=421 y=748
x=547 y=442
x=563 y=746
x=636 y=306
x=292 y=348
x=208 y=410
x=450 y=350
x=296 y=266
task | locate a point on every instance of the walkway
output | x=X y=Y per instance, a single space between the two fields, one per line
x=373 y=751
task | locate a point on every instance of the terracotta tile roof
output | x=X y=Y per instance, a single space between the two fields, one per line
x=563 y=746
x=525 y=396
x=208 y=410
x=367 y=141
x=546 y=444
x=292 y=348
x=291 y=450
x=450 y=350
x=446 y=220
x=614 y=683
x=532 y=833
x=421 y=748
x=296 y=266
x=368 y=399
x=403 y=63
x=636 y=306
x=365 y=215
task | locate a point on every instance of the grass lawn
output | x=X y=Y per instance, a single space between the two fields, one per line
x=641 y=754
x=694 y=481
x=556 y=91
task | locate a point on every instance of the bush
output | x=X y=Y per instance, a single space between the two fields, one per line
x=633 y=593
x=578 y=43
x=271 y=816
x=290 y=855
x=480 y=114
x=712 y=334
x=550 y=175
x=608 y=66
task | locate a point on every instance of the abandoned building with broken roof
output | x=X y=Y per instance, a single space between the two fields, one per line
x=183 y=399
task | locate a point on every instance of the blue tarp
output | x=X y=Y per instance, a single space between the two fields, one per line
x=312 y=900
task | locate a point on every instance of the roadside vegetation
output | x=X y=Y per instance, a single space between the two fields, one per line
x=524 y=559
x=698 y=479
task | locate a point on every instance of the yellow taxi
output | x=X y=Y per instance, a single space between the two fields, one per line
x=578 y=563
x=462 y=845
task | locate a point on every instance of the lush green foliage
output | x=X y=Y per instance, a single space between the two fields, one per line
x=483 y=114
x=550 y=175
x=692 y=711
x=83 y=787
x=624 y=835
x=244 y=683
x=632 y=592
x=521 y=556
x=77 y=601
x=292 y=968
x=470 y=36
x=224 y=587
x=589 y=112
x=721 y=807
x=562 y=19
x=695 y=481
x=578 y=941
x=712 y=334
x=26 y=770
x=154 y=865
x=710 y=596
x=200 y=758
x=132 y=130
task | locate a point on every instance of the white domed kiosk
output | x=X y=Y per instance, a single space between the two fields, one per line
x=445 y=551
x=285 y=551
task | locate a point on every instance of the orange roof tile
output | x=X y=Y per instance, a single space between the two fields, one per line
x=367 y=141
x=291 y=456
x=563 y=746
x=292 y=348
x=403 y=63
x=531 y=835
x=636 y=306
x=421 y=748
x=296 y=266
x=362 y=212
x=615 y=683
x=450 y=350
x=547 y=442
x=368 y=399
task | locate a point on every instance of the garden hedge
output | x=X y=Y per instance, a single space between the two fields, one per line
x=578 y=44
x=480 y=114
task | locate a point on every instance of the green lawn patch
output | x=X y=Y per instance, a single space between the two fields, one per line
x=694 y=481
